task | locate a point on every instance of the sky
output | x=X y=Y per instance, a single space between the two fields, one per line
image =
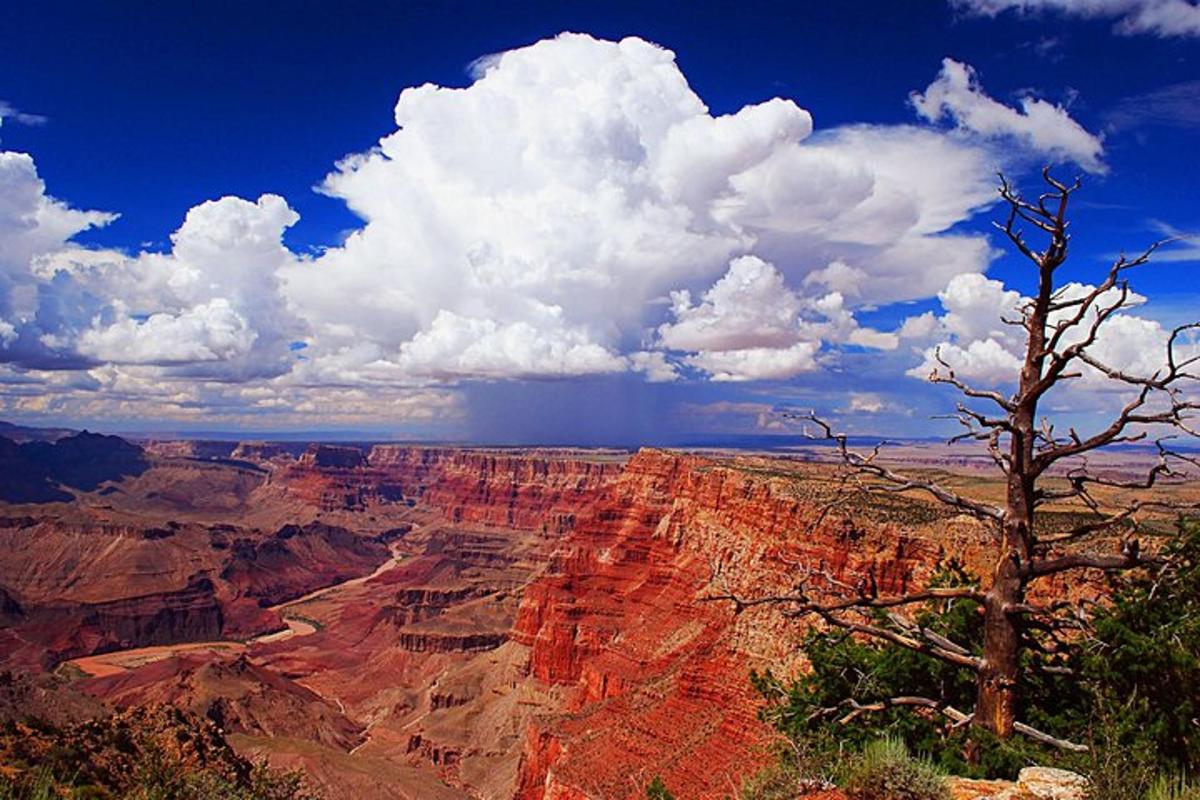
x=588 y=223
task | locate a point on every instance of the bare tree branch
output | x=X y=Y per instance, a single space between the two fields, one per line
x=896 y=482
x=1129 y=558
x=853 y=709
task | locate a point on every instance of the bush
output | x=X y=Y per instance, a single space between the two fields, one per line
x=1143 y=662
x=159 y=778
x=797 y=772
x=1177 y=788
x=867 y=670
x=886 y=771
x=37 y=786
x=1120 y=762
x=657 y=790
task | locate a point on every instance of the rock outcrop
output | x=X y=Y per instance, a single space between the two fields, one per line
x=1033 y=783
x=237 y=694
x=298 y=559
x=53 y=632
x=539 y=490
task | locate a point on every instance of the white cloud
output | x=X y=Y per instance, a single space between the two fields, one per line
x=976 y=308
x=974 y=341
x=750 y=306
x=757 y=363
x=32 y=225
x=212 y=331
x=839 y=325
x=454 y=347
x=873 y=403
x=750 y=326
x=1046 y=128
x=586 y=177
x=1165 y=18
x=984 y=360
x=532 y=224
x=212 y=305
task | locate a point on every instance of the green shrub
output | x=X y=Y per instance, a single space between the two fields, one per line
x=886 y=771
x=1176 y=788
x=657 y=790
x=799 y=768
x=1120 y=764
x=37 y=786
x=159 y=778
x=780 y=781
x=1143 y=659
x=866 y=670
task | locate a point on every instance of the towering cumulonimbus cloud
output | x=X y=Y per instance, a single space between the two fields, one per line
x=530 y=222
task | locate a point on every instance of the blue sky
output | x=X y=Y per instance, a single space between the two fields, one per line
x=149 y=110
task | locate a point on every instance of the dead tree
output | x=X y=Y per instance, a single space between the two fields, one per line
x=1060 y=330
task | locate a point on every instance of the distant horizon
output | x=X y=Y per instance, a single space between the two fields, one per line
x=777 y=442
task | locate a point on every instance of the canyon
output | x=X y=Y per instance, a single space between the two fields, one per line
x=438 y=622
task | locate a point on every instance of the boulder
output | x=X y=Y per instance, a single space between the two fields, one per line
x=1033 y=783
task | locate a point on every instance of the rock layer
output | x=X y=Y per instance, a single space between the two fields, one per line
x=622 y=619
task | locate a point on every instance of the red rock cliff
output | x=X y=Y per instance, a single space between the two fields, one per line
x=538 y=490
x=659 y=678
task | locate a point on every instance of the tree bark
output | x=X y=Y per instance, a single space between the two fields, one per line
x=997 y=686
x=996 y=698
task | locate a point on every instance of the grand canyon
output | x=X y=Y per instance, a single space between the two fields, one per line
x=402 y=621
x=430 y=622
x=600 y=400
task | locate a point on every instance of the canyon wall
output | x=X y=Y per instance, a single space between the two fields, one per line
x=531 y=490
x=658 y=675
x=71 y=587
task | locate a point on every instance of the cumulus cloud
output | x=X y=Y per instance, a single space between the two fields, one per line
x=956 y=94
x=750 y=306
x=1164 y=18
x=455 y=346
x=33 y=225
x=212 y=331
x=972 y=339
x=212 y=306
x=749 y=325
x=757 y=363
x=872 y=403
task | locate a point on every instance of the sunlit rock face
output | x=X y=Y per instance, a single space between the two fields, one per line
x=620 y=620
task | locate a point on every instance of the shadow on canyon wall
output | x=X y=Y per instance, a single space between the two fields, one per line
x=42 y=471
